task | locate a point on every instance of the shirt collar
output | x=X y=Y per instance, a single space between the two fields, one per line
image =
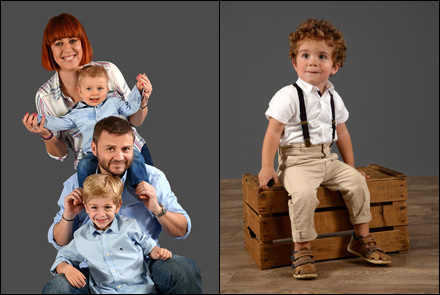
x=114 y=227
x=308 y=88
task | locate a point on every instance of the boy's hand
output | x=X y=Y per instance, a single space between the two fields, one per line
x=364 y=174
x=265 y=175
x=73 y=204
x=74 y=276
x=160 y=253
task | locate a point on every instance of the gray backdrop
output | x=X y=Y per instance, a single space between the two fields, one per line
x=177 y=45
x=389 y=82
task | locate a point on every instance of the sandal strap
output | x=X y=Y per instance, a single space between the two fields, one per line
x=302 y=257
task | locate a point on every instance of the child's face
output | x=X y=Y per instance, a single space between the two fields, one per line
x=102 y=212
x=93 y=90
x=314 y=63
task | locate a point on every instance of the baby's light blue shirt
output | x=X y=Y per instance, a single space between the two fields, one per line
x=84 y=117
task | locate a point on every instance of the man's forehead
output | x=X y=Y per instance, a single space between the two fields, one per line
x=115 y=139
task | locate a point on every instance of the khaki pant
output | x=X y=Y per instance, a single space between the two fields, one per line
x=303 y=169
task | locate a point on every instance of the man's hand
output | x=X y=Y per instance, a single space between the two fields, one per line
x=73 y=204
x=147 y=193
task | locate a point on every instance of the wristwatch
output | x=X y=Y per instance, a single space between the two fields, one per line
x=164 y=211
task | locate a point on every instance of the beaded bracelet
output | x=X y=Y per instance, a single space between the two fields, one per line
x=47 y=138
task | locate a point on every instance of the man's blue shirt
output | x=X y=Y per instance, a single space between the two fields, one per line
x=132 y=205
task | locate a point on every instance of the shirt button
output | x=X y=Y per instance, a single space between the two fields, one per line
x=106 y=255
x=114 y=270
x=119 y=287
x=103 y=236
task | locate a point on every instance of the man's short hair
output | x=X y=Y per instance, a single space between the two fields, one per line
x=113 y=125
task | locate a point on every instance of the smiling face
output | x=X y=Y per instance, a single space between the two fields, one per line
x=93 y=90
x=314 y=63
x=102 y=211
x=114 y=152
x=67 y=53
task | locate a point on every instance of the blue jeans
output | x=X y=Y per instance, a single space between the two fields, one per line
x=135 y=174
x=177 y=275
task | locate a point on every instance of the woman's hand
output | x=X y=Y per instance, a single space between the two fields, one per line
x=143 y=83
x=31 y=124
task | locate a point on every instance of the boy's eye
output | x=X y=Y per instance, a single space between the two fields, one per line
x=305 y=55
x=322 y=56
x=100 y=88
x=108 y=207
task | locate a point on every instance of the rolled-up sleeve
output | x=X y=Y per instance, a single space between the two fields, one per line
x=166 y=196
x=69 y=185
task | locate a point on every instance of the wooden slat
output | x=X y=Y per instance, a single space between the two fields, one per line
x=384 y=187
x=268 y=229
x=269 y=256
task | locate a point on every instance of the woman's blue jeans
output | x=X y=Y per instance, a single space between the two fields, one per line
x=177 y=275
x=136 y=173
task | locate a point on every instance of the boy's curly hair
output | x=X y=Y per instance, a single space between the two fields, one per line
x=319 y=30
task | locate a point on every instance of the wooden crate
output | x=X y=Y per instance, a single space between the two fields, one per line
x=267 y=232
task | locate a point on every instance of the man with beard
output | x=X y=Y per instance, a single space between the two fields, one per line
x=152 y=204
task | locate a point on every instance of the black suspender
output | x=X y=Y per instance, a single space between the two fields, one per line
x=303 y=116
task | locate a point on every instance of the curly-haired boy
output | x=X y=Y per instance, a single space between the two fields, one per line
x=305 y=119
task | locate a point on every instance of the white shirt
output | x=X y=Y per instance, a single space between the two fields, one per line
x=284 y=107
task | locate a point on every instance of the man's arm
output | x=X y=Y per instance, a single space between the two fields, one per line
x=61 y=231
x=174 y=224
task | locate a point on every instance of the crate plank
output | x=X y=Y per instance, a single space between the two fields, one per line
x=278 y=227
x=269 y=256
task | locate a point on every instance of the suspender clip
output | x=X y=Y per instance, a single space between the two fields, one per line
x=304 y=122
x=307 y=141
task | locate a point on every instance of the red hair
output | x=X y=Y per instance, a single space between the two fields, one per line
x=59 y=27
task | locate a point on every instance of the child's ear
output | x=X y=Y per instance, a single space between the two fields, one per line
x=293 y=64
x=119 y=207
x=335 y=69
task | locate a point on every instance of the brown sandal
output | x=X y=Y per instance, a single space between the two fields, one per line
x=303 y=265
x=367 y=249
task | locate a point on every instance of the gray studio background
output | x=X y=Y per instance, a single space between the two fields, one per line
x=177 y=45
x=389 y=82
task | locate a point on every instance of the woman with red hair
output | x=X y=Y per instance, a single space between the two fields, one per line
x=66 y=49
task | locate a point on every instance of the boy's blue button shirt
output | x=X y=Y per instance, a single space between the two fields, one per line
x=84 y=117
x=132 y=206
x=115 y=257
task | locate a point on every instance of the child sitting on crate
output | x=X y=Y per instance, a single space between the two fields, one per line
x=305 y=118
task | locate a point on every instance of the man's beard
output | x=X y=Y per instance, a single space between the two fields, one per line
x=106 y=165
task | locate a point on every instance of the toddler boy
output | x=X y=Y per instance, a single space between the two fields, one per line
x=305 y=119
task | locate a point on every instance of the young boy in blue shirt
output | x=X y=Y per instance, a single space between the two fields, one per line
x=305 y=119
x=93 y=88
x=113 y=246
